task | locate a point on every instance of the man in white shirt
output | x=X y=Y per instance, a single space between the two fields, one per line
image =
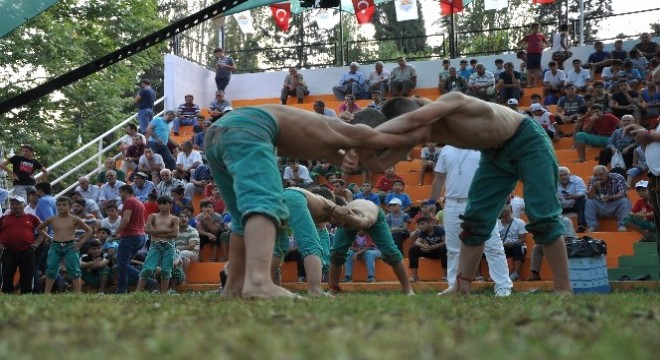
x=188 y=159
x=296 y=174
x=553 y=80
x=454 y=171
x=579 y=77
x=379 y=79
x=127 y=140
x=610 y=74
x=87 y=190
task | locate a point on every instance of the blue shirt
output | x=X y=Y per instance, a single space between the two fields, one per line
x=374 y=198
x=598 y=56
x=405 y=199
x=199 y=140
x=147 y=98
x=46 y=207
x=142 y=194
x=161 y=129
x=203 y=172
x=465 y=74
x=357 y=76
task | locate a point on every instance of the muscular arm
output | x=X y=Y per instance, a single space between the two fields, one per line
x=88 y=231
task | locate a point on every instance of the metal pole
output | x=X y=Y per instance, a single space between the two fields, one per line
x=341 y=36
x=452 y=39
x=581 y=22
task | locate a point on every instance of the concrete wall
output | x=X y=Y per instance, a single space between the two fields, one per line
x=183 y=77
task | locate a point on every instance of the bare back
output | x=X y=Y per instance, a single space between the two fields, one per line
x=461 y=121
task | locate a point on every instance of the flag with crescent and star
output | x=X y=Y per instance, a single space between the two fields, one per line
x=406 y=10
x=364 y=10
x=281 y=14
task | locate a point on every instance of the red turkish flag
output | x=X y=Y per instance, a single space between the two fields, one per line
x=543 y=1
x=364 y=10
x=446 y=7
x=281 y=14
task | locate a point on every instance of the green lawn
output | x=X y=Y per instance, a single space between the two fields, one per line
x=352 y=326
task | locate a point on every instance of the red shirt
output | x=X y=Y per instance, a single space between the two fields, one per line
x=385 y=184
x=135 y=225
x=534 y=43
x=218 y=205
x=150 y=207
x=606 y=125
x=642 y=204
x=17 y=232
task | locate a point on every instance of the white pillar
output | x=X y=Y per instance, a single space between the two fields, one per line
x=581 y=22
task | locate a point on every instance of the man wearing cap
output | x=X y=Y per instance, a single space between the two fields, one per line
x=403 y=78
x=352 y=82
x=142 y=187
x=24 y=167
x=219 y=104
x=513 y=105
x=481 y=83
x=17 y=245
x=508 y=83
x=544 y=118
x=607 y=195
x=641 y=214
x=224 y=65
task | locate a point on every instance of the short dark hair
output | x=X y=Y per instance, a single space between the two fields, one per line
x=587 y=96
x=145 y=82
x=598 y=43
x=596 y=107
x=498 y=61
x=205 y=203
x=398 y=181
x=127 y=189
x=520 y=54
x=617 y=62
x=44 y=187
x=164 y=199
x=552 y=63
x=563 y=27
x=340 y=201
x=111 y=205
x=424 y=219
x=323 y=191
x=64 y=199
x=93 y=243
x=106 y=230
x=151 y=196
x=73 y=193
x=319 y=103
x=217 y=50
x=80 y=201
x=446 y=61
x=178 y=190
x=131 y=126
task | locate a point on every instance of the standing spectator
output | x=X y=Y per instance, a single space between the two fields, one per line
x=352 y=82
x=224 y=65
x=18 y=245
x=186 y=114
x=553 y=82
x=646 y=47
x=443 y=75
x=454 y=82
x=571 y=192
x=188 y=159
x=561 y=46
x=522 y=56
x=24 y=167
x=535 y=44
x=362 y=248
x=319 y=108
x=598 y=59
x=294 y=85
x=87 y=190
x=624 y=100
x=145 y=100
x=132 y=237
x=512 y=232
x=403 y=78
x=578 y=77
x=158 y=133
x=606 y=196
x=482 y=83
x=429 y=243
x=508 y=84
x=379 y=79
x=219 y=105
x=429 y=157
x=596 y=131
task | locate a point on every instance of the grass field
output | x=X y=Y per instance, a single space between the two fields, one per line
x=535 y=326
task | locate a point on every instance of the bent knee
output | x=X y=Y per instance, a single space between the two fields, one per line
x=546 y=231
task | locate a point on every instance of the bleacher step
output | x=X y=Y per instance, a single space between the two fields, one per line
x=634 y=272
x=639 y=260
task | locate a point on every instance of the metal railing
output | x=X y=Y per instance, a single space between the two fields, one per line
x=414 y=47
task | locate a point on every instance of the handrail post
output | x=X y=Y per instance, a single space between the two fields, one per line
x=99 y=153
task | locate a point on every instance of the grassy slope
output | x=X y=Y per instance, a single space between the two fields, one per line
x=353 y=326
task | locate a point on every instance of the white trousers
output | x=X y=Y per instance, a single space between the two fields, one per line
x=493 y=248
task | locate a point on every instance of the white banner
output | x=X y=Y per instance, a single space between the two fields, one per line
x=406 y=10
x=326 y=18
x=244 y=19
x=496 y=4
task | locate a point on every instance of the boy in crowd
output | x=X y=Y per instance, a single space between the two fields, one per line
x=429 y=243
x=63 y=246
x=113 y=219
x=397 y=193
x=209 y=227
x=398 y=222
x=187 y=242
x=95 y=266
x=641 y=214
x=163 y=228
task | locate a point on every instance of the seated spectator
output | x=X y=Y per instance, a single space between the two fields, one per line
x=186 y=115
x=512 y=232
x=216 y=198
x=403 y=78
x=95 y=268
x=578 y=77
x=598 y=59
x=553 y=82
x=612 y=74
x=429 y=157
x=648 y=105
x=378 y=80
x=429 y=243
x=385 y=183
x=473 y=66
x=87 y=190
x=339 y=189
x=319 y=108
x=89 y=206
x=641 y=214
x=200 y=179
x=596 y=131
x=397 y=193
x=132 y=154
x=110 y=164
x=571 y=192
x=167 y=183
x=294 y=85
x=376 y=100
x=151 y=163
x=398 y=222
x=219 y=105
x=112 y=219
x=127 y=139
x=142 y=186
x=363 y=248
x=443 y=75
x=463 y=71
x=536 y=99
x=623 y=100
x=646 y=47
x=351 y=83
x=639 y=62
x=348 y=108
x=618 y=52
x=366 y=194
x=481 y=83
x=655 y=61
x=179 y=201
x=625 y=144
x=209 y=225
x=324 y=169
x=569 y=106
x=296 y=174
x=606 y=197
x=198 y=140
x=601 y=97
x=454 y=82
x=639 y=166
x=293 y=254
x=188 y=160
x=427 y=209
x=631 y=74
x=109 y=191
x=508 y=83
x=499 y=68
x=545 y=119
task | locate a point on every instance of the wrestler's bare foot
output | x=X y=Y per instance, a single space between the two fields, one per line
x=318 y=293
x=231 y=293
x=460 y=287
x=409 y=292
x=267 y=291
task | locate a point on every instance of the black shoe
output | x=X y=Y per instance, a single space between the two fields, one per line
x=646 y=277
x=624 y=278
x=300 y=101
x=580 y=229
x=176 y=134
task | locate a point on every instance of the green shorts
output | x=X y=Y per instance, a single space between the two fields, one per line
x=591 y=139
x=324 y=236
x=639 y=223
x=59 y=251
x=381 y=235
x=527 y=156
x=241 y=153
x=93 y=278
x=301 y=225
x=161 y=253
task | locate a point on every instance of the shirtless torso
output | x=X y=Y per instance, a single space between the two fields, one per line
x=64 y=227
x=162 y=227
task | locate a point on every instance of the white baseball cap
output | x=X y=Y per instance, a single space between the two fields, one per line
x=17 y=198
x=642 y=183
x=536 y=107
x=512 y=102
x=395 y=201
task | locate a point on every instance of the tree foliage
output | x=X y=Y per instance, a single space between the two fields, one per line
x=410 y=35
